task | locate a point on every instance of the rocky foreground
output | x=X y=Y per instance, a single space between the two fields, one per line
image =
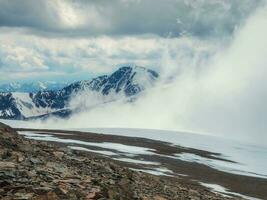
x=40 y=171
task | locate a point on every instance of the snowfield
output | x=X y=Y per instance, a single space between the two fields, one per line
x=250 y=159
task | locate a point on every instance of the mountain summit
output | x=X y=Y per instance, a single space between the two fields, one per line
x=127 y=81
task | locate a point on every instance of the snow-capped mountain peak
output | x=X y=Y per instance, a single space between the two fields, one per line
x=128 y=81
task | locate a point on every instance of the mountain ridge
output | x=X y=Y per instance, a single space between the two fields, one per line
x=127 y=81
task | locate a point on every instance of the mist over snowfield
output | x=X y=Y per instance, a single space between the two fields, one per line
x=208 y=86
x=213 y=72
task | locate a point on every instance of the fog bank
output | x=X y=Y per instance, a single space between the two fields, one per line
x=210 y=87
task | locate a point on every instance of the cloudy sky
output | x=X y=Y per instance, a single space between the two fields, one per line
x=78 y=39
x=217 y=47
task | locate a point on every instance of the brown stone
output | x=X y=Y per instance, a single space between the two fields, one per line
x=19 y=157
x=88 y=179
x=92 y=194
x=112 y=194
x=48 y=196
x=4 y=165
x=63 y=188
x=159 y=198
x=58 y=154
x=23 y=196
x=193 y=192
x=71 y=181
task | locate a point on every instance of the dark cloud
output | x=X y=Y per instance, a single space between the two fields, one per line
x=126 y=17
x=29 y=13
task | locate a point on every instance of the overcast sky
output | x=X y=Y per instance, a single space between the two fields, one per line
x=51 y=39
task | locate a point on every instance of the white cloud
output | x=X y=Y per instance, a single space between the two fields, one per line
x=23 y=52
x=72 y=15
x=15 y=58
x=226 y=96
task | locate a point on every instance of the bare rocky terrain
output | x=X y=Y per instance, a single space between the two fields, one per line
x=160 y=158
x=37 y=170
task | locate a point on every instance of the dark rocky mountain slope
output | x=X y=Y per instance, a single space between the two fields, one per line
x=40 y=171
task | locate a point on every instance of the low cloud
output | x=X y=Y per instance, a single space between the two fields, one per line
x=93 y=56
x=225 y=95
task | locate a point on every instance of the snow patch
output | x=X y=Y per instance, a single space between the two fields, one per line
x=225 y=192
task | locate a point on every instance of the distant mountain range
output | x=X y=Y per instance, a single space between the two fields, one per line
x=127 y=82
x=32 y=87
